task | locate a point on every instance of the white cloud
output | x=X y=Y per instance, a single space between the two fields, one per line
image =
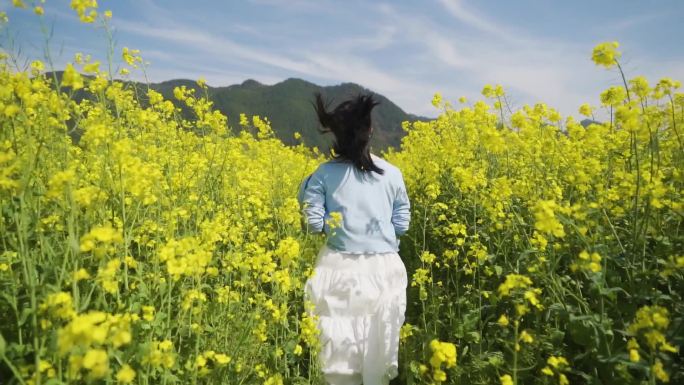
x=462 y=14
x=308 y=5
x=629 y=23
x=336 y=64
x=384 y=36
x=531 y=68
x=219 y=47
x=456 y=58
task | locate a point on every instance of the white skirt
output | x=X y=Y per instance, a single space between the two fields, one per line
x=360 y=300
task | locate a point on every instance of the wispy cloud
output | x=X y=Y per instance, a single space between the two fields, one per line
x=197 y=40
x=384 y=36
x=464 y=15
x=308 y=5
x=404 y=50
x=334 y=64
x=632 y=22
x=531 y=68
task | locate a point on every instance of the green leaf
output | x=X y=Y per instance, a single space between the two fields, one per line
x=582 y=332
x=473 y=336
x=25 y=313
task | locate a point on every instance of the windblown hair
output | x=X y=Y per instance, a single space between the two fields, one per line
x=350 y=122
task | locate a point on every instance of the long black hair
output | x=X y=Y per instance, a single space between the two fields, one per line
x=350 y=122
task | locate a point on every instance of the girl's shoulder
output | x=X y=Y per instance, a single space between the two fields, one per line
x=330 y=166
x=378 y=160
x=384 y=164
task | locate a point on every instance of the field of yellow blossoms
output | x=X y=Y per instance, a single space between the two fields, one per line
x=139 y=247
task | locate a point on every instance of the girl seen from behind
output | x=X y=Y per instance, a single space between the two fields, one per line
x=358 y=288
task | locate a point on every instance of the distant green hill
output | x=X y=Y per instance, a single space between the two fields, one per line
x=288 y=106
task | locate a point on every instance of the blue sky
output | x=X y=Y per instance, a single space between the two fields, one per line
x=539 y=50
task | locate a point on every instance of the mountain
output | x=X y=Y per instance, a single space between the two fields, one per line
x=586 y=122
x=288 y=106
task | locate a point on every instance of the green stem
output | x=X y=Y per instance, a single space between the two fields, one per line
x=515 y=353
x=17 y=373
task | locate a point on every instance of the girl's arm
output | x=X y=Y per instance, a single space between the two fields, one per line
x=311 y=198
x=401 y=209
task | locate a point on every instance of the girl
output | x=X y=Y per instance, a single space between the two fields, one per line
x=359 y=284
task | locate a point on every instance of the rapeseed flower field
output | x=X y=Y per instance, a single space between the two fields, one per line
x=140 y=247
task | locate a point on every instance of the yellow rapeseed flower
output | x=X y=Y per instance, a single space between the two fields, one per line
x=92 y=68
x=506 y=379
x=160 y=354
x=586 y=110
x=80 y=275
x=634 y=355
x=439 y=375
x=100 y=235
x=437 y=100
x=335 y=220
x=526 y=337
x=148 y=313
x=606 y=54
x=587 y=262
x=546 y=220
x=512 y=282
x=97 y=361
x=288 y=249
x=503 y=320
x=132 y=58
x=639 y=86
x=531 y=296
x=222 y=359
x=613 y=96
x=442 y=353
x=557 y=362
x=309 y=331
x=274 y=380
x=659 y=371
x=71 y=78
x=125 y=375
x=59 y=305
x=86 y=10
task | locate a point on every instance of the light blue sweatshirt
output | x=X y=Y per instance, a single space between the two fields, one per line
x=375 y=208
